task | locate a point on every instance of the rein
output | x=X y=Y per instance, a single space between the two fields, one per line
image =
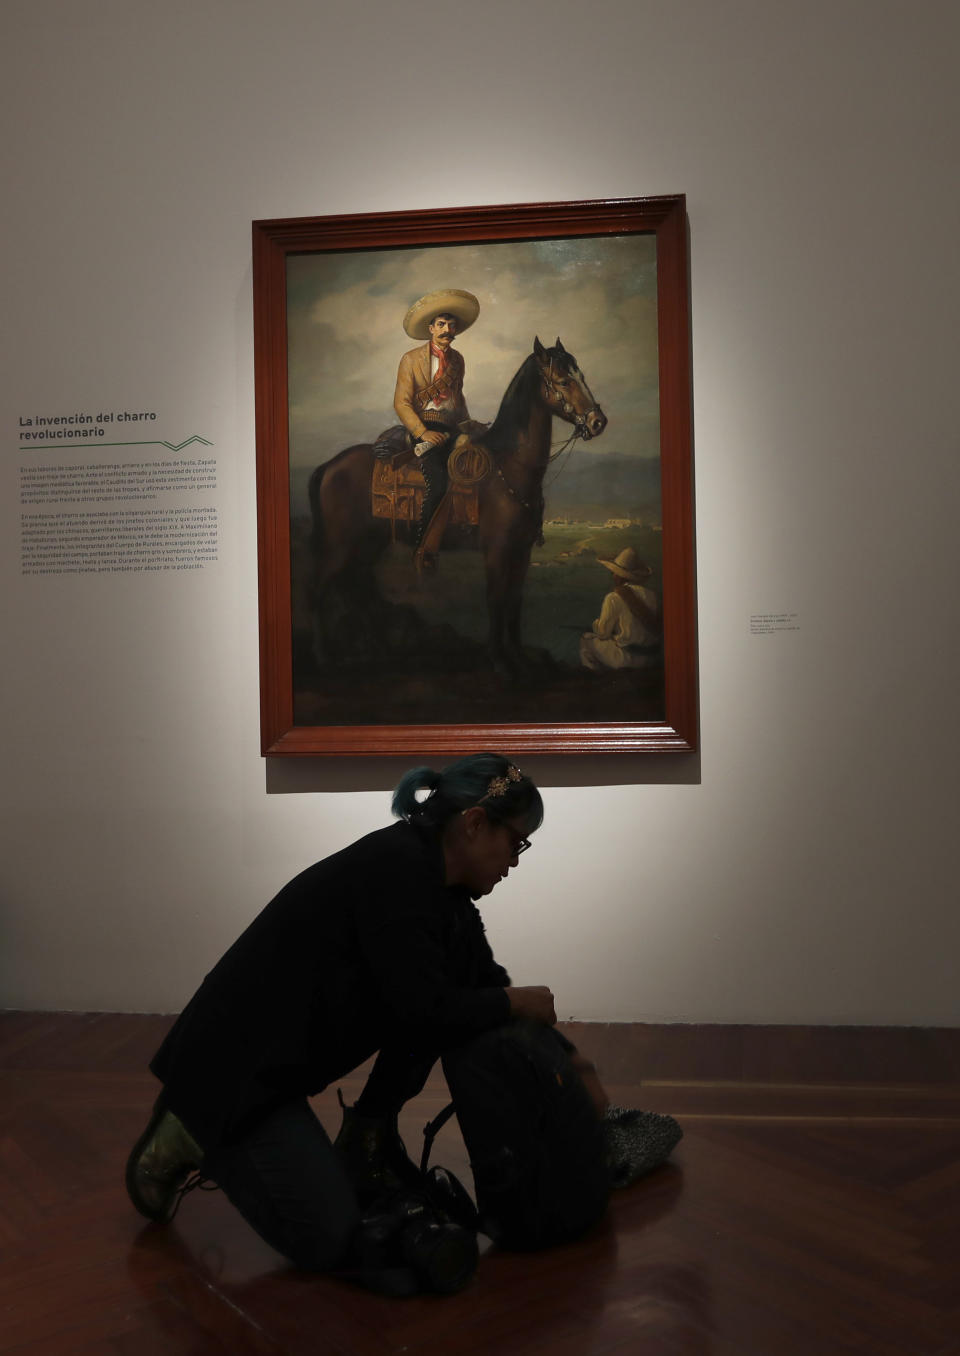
x=566 y=445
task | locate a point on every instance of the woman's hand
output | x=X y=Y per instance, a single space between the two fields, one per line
x=534 y=1001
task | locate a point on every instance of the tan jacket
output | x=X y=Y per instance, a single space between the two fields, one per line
x=413 y=377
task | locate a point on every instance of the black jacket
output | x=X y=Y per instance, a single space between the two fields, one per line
x=366 y=949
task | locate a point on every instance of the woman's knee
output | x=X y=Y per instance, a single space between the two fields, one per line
x=322 y=1248
x=518 y=1037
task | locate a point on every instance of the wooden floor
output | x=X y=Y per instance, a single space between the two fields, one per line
x=812 y=1209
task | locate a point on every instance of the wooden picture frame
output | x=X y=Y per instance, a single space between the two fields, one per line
x=409 y=674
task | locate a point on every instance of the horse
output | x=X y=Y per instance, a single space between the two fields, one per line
x=346 y=541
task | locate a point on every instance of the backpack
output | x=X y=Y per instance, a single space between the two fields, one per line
x=536 y=1145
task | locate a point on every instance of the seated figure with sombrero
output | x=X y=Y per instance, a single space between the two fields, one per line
x=627 y=634
x=429 y=398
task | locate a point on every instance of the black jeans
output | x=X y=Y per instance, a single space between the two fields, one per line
x=285 y=1178
x=287 y=1182
x=517 y=1095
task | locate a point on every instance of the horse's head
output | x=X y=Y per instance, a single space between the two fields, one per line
x=565 y=390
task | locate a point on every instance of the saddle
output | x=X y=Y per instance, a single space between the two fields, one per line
x=398 y=488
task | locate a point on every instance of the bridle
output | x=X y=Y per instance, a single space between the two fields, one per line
x=556 y=400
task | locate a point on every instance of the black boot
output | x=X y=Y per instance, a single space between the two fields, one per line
x=374 y=1156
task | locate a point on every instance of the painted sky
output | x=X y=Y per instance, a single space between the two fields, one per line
x=345 y=332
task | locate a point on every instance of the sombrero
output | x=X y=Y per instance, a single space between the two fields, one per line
x=627 y=566
x=448 y=301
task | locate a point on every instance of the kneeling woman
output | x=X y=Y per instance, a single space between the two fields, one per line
x=378 y=948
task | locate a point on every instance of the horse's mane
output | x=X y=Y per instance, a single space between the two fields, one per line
x=514 y=406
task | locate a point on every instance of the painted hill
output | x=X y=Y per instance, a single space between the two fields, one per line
x=594 y=486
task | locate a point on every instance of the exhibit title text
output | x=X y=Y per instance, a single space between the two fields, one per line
x=57 y=427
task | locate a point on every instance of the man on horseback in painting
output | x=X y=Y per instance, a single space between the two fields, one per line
x=355 y=502
x=429 y=397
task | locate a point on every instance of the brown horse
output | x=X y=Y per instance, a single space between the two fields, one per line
x=347 y=541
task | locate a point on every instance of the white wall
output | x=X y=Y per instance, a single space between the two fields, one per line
x=801 y=869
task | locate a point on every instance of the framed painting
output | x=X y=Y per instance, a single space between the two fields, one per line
x=474 y=480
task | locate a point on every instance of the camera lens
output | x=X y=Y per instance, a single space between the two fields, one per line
x=444 y=1256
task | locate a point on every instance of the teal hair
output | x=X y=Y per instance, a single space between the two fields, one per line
x=465 y=783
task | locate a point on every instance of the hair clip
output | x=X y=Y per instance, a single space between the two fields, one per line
x=499 y=786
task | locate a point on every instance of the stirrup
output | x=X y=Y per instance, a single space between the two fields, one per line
x=425 y=561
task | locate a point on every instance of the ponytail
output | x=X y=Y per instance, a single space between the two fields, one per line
x=406 y=803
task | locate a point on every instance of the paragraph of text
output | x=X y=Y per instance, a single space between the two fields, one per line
x=121 y=541
x=105 y=482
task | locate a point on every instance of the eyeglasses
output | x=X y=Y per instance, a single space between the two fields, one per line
x=519 y=844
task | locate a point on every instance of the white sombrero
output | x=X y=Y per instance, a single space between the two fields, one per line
x=450 y=301
x=627 y=566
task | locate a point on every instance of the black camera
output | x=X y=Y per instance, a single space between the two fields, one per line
x=409 y=1233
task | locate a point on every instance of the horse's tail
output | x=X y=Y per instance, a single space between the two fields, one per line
x=316 y=510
